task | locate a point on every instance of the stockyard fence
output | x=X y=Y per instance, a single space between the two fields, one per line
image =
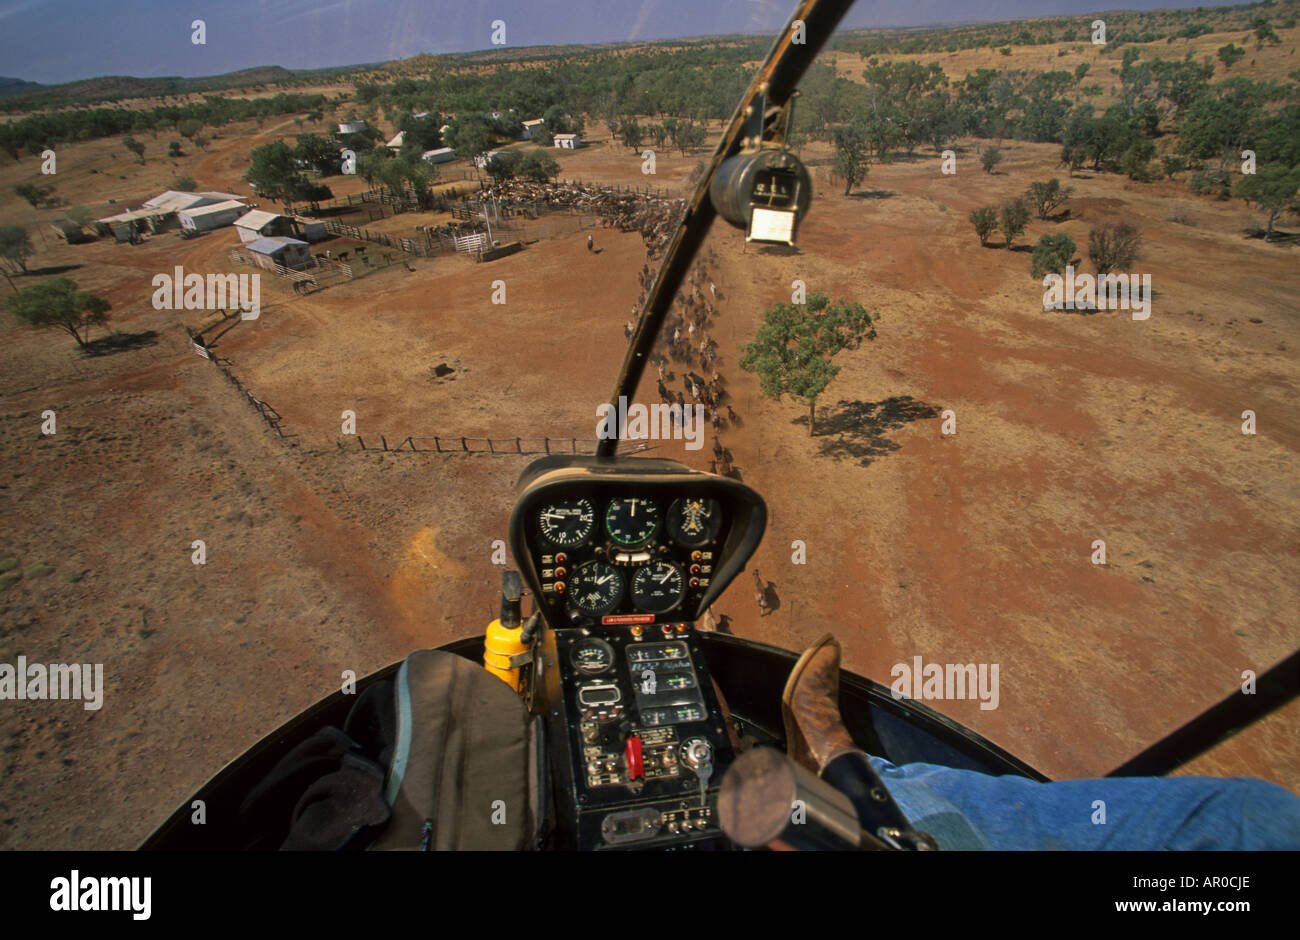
x=323 y=271
x=272 y=417
x=502 y=446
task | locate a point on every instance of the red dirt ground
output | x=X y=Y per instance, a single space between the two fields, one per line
x=967 y=548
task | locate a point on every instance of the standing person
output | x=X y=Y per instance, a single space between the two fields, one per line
x=590 y=242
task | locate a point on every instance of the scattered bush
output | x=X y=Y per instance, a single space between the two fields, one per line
x=1047 y=197
x=992 y=157
x=1013 y=219
x=1212 y=182
x=1052 y=254
x=1114 y=245
x=985 y=221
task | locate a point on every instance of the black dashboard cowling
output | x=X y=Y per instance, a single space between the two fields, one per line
x=596 y=493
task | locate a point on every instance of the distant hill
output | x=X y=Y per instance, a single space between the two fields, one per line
x=28 y=96
x=11 y=86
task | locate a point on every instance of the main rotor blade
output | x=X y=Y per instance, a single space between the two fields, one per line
x=776 y=80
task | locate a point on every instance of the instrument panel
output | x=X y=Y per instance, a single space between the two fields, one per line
x=608 y=543
x=629 y=557
x=622 y=555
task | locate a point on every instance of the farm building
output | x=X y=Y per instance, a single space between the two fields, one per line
x=261 y=224
x=72 y=232
x=157 y=214
x=310 y=230
x=352 y=127
x=124 y=225
x=531 y=128
x=568 y=141
x=483 y=159
x=207 y=218
x=396 y=142
x=287 y=252
x=440 y=155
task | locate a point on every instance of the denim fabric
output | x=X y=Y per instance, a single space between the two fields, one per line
x=963 y=809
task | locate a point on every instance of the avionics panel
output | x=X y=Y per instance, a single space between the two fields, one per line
x=630 y=541
x=646 y=742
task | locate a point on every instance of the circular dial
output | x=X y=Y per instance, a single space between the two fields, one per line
x=567 y=521
x=631 y=521
x=592 y=656
x=694 y=521
x=658 y=587
x=596 y=588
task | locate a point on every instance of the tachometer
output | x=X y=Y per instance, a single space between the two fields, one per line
x=659 y=587
x=694 y=521
x=631 y=521
x=567 y=521
x=596 y=588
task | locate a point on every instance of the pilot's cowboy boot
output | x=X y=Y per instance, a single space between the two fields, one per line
x=814 y=731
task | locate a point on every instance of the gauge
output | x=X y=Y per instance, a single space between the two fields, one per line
x=591 y=656
x=631 y=521
x=596 y=588
x=567 y=521
x=658 y=587
x=694 y=521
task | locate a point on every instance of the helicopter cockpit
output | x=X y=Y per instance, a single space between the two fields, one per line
x=610 y=717
x=623 y=558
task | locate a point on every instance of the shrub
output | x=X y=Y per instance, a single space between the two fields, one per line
x=1052 y=254
x=1114 y=245
x=1013 y=219
x=985 y=221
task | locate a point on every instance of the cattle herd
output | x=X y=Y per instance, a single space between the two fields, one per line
x=654 y=217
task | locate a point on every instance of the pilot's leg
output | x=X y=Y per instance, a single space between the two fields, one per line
x=964 y=809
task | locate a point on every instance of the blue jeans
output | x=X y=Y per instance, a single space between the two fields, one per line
x=964 y=809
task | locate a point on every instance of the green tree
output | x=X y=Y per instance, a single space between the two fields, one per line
x=15 y=248
x=985 y=221
x=791 y=353
x=275 y=174
x=991 y=158
x=185 y=184
x=1114 y=245
x=58 y=304
x=1047 y=197
x=851 y=155
x=1052 y=254
x=1013 y=219
x=188 y=127
x=538 y=165
x=34 y=194
x=318 y=153
x=174 y=149
x=630 y=132
x=1272 y=189
x=1263 y=32
x=133 y=145
x=504 y=165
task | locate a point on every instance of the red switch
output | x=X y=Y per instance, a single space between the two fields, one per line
x=633 y=754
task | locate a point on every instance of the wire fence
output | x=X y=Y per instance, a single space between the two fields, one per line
x=502 y=446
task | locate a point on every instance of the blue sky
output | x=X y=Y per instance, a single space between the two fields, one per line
x=61 y=40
